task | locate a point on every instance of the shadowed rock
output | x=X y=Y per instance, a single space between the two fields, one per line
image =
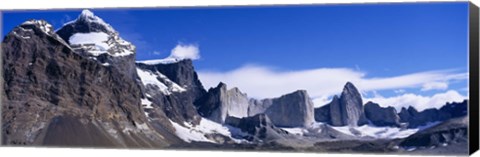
x=380 y=116
x=220 y=103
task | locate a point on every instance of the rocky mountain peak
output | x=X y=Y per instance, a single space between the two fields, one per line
x=41 y=25
x=90 y=36
x=87 y=22
x=351 y=91
x=344 y=110
x=32 y=30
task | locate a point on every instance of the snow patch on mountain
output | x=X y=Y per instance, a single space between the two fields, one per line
x=43 y=25
x=190 y=133
x=159 y=80
x=381 y=132
x=146 y=103
x=98 y=40
x=362 y=131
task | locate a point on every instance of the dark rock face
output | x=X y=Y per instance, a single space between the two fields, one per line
x=176 y=102
x=416 y=119
x=380 y=116
x=259 y=127
x=448 y=132
x=182 y=73
x=120 y=55
x=322 y=114
x=220 y=103
x=336 y=112
x=290 y=110
x=43 y=78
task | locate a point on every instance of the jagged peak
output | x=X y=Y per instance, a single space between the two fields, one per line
x=349 y=85
x=87 y=14
x=88 y=17
x=222 y=85
x=43 y=25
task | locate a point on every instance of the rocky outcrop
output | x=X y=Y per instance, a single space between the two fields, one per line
x=181 y=73
x=290 y=110
x=258 y=128
x=352 y=106
x=380 y=116
x=454 y=130
x=415 y=119
x=47 y=86
x=220 y=103
x=322 y=114
x=336 y=112
x=346 y=110
x=172 y=88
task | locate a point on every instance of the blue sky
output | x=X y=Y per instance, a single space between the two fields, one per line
x=372 y=40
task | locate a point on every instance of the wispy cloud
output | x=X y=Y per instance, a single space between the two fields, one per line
x=157 y=53
x=419 y=102
x=435 y=86
x=321 y=83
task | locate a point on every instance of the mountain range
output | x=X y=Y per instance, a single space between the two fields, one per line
x=81 y=86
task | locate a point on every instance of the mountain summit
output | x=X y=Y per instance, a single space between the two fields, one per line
x=92 y=37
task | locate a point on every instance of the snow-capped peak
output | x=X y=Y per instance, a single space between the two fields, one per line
x=91 y=35
x=87 y=13
x=88 y=16
x=42 y=24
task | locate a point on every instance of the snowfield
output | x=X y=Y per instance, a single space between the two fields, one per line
x=98 y=39
x=365 y=130
x=197 y=133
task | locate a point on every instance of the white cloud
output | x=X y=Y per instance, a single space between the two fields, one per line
x=399 y=91
x=434 y=86
x=418 y=101
x=321 y=83
x=157 y=52
x=185 y=51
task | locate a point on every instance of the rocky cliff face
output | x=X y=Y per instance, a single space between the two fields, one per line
x=415 y=119
x=380 y=116
x=173 y=94
x=47 y=87
x=258 y=128
x=220 y=103
x=346 y=110
x=290 y=110
x=182 y=73
x=322 y=114
x=352 y=106
x=91 y=37
x=452 y=131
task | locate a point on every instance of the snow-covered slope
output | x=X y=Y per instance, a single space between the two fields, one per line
x=198 y=133
x=368 y=131
x=158 y=80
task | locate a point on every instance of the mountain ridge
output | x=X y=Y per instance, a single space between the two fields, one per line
x=54 y=87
